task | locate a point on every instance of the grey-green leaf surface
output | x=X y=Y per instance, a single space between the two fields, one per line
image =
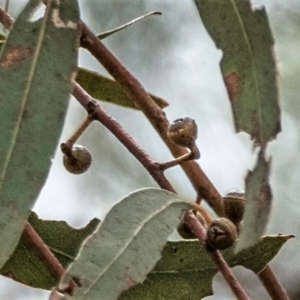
x=248 y=64
x=186 y=270
x=258 y=203
x=36 y=65
x=64 y=242
x=127 y=245
x=106 y=89
x=106 y=34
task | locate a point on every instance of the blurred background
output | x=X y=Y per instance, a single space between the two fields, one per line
x=174 y=58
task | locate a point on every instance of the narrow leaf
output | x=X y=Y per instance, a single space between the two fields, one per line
x=64 y=242
x=106 y=89
x=248 y=64
x=186 y=271
x=258 y=204
x=127 y=245
x=105 y=34
x=2 y=38
x=36 y=66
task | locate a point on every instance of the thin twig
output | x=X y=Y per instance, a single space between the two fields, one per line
x=177 y=161
x=111 y=124
x=92 y=107
x=157 y=118
x=87 y=102
x=66 y=147
x=79 y=131
x=31 y=237
x=272 y=285
x=153 y=112
x=47 y=257
x=216 y=256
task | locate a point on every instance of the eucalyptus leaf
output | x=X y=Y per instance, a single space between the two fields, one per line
x=64 y=242
x=106 y=34
x=186 y=270
x=258 y=203
x=2 y=39
x=248 y=64
x=106 y=89
x=127 y=245
x=37 y=63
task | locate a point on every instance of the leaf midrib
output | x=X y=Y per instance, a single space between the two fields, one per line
x=123 y=249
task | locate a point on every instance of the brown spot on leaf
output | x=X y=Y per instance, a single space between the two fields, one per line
x=232 y=83
x=10 y=275
x=129 y=280
x=16 y=54
x=265 y=195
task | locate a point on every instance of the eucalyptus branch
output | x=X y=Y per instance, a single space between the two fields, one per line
x=157 y=118
x=153 y=168
x=152 y=111
x=111 y=124
x=31 y=237
x=200 y=232
x=272 y=285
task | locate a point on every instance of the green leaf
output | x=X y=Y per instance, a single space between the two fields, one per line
x=186 y=270
x=64 y=242
x=127 y=245
x=36 y=65
x=2 y=38
x=248 y=64
x=106 y=89
x=106 y=34
x=258 y=203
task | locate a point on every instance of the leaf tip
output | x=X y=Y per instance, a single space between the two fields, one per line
x=286 y=236
x=156 y=13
